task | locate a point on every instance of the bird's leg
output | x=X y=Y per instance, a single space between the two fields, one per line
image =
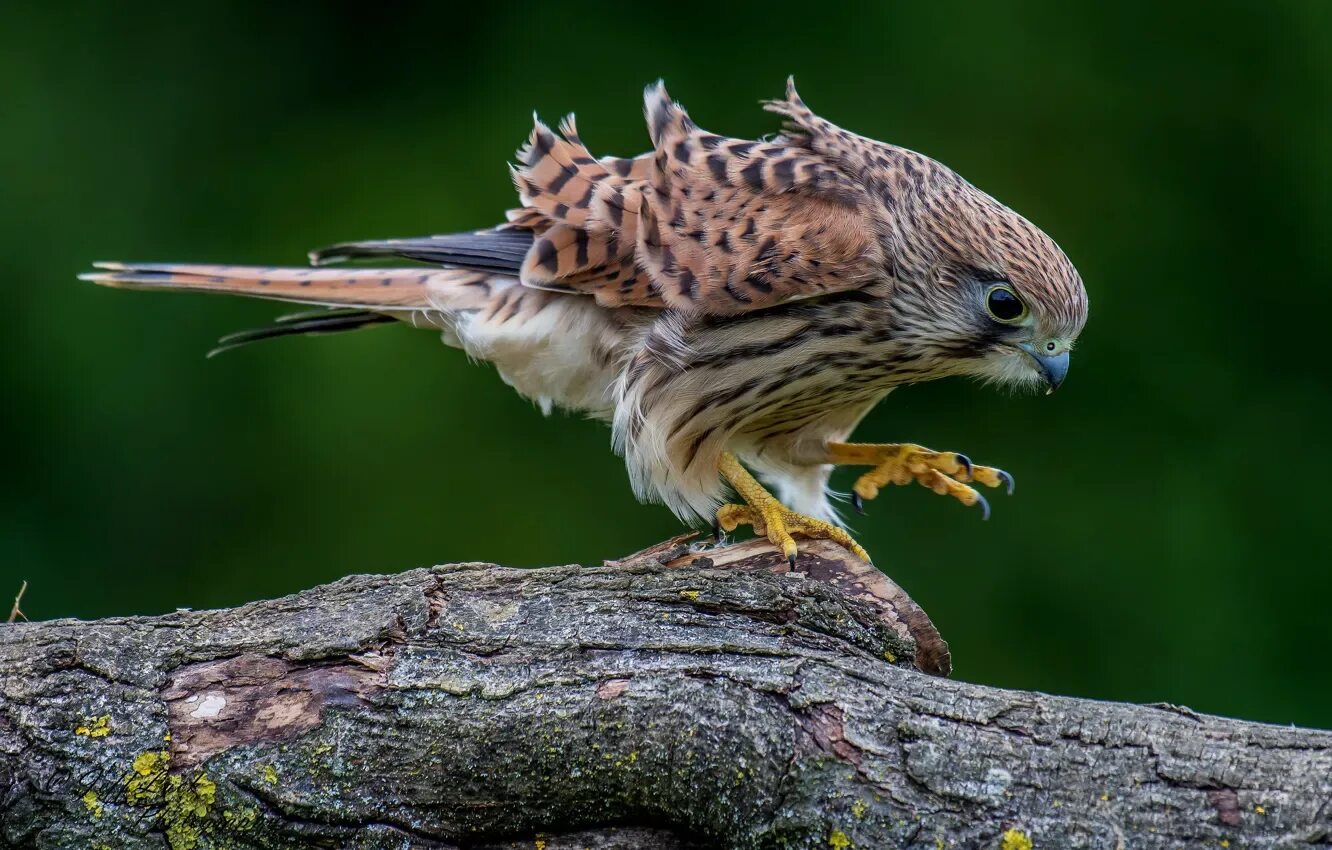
x=946 y=473
x=771 y=518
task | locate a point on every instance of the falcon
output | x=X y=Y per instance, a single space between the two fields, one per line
x=731 y=308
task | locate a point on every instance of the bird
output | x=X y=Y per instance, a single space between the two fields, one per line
x=731 y=308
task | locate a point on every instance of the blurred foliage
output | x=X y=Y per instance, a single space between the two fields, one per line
x=1169 y=538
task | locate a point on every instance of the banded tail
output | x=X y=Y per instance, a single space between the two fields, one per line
x=358 y=297
x=387 y=290
x=553 y=348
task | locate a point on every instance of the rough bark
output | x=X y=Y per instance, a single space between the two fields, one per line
x=661 y=701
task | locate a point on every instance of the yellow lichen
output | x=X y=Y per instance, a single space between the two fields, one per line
x=838 y=840
x=938 y=844
x=184 y=803
x=691 y=595
x=1259 y=810
x=91 y=803
x=1225 y=842
x=147 y=783
x=321 y=749
x=270 y=774
x=540 y=843
x=1015 y=839
x=198 y=797
x=620 y=762
x=95 y=727
x=889 y=657
x=186 y=810
x=240 y=821
x=1105 y=798
x=859 y=808
x=147 y=763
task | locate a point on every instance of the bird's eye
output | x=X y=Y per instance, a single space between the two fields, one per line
x=1004 y=305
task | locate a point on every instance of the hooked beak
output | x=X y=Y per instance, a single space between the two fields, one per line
x=1054 y=367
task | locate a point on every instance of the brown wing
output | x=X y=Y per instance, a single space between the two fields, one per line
x=703 y=223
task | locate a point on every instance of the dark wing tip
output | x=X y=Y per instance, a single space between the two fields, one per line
x=312 y=322
x=497 y=250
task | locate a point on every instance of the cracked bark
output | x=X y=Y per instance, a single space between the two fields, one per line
x=660 y=701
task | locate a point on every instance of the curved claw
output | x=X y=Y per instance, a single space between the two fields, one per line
x=1008 y=481
x=716 y=532
x=791 y=559
x=984 y=506
x=965 y=463
x=857 y=502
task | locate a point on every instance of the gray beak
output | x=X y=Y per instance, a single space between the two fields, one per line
x=1054 y=367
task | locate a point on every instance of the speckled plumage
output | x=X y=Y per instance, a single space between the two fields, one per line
x=714 y=295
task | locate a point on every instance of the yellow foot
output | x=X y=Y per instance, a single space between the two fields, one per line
x=771 y=518
x=901 y=463
x=775 y=521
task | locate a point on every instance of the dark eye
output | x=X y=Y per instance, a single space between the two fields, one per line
x=1004 y=305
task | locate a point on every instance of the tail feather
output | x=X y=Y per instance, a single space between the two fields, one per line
x=368 y=289
x=358 y=297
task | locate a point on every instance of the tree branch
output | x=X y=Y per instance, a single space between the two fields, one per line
x=667 y=700
x=16 y=612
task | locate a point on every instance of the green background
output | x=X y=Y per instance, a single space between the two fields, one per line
x=1169 y=540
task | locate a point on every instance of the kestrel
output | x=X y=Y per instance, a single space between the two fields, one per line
x=725 y=305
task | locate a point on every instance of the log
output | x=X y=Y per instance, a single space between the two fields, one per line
x=676 y=699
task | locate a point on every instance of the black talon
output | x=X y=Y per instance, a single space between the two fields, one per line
x=965 y=463
x=857 y=502
x=716 y=532
x=791 y=559
x=985 y=507
x=1007 y=479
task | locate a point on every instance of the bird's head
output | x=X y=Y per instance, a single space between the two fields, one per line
x=993 y=295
